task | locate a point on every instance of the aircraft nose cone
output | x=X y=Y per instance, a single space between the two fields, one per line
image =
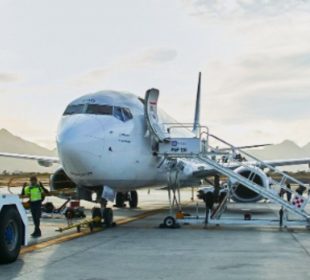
x=80 y=145
x=78 y=127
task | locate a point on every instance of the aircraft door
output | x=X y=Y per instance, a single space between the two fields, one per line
x=156 y=129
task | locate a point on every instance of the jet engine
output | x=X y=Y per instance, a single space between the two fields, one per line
x=243 y=194
x=60 y=180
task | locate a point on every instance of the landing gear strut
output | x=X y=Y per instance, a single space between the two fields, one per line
x=103 y=213
x=131 y=197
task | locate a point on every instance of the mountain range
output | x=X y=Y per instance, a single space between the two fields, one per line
x=13 y=144
x=284 y=150
x=10 y=143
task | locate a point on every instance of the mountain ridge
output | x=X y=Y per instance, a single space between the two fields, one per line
x=11 y=143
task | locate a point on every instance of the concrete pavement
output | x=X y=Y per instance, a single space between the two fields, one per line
x=140 y=250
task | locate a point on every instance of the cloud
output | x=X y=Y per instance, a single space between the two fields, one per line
x=145 y=58
x=9 y=77
x=262 y=71
x=245 y=8
x=155 y=56
x=92 y=76
x=260 y=86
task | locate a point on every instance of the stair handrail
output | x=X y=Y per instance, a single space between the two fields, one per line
x=262 y=163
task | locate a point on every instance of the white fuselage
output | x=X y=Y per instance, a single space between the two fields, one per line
x=101 y=149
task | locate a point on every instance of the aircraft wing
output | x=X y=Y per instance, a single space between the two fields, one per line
x=286 y=162
x=203 y=171
x=42 y=160
x=245 y=147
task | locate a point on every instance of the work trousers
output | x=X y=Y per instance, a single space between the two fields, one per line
x=35 y=208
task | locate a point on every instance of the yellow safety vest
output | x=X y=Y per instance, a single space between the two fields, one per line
x=34 y=192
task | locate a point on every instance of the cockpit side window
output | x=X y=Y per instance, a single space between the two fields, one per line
x=123 y=114
x=127 y=114
x=74 y=109
x=117 y=113
x=97 y=109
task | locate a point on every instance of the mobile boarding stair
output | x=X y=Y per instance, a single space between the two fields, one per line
x=296 y=208
x=200 y=150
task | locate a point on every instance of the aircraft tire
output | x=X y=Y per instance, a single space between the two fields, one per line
x=133 y=201
x=108 y=217
x=96 y=214
x=11 y=231
x=120 y=199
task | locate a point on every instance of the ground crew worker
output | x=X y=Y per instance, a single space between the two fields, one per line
x=288 y=193
x=300 y=190
x=35 y=193
x=282 y=192
x=24 y=187
x=208 y=198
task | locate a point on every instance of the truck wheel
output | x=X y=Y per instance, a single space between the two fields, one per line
x=10 y=235
x=133 y=201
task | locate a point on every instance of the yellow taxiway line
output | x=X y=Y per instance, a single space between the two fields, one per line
x=71 y=236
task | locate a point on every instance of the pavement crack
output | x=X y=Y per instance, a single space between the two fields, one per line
x=300 y=244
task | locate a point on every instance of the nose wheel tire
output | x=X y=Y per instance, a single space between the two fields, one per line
x=108 y=217
x=10 y=235
x=97 y=216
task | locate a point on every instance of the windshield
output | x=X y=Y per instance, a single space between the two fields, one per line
x=121 y=113
x=74 y=109
x=99 y=109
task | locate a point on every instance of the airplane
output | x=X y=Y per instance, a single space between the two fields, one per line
x=108 y=144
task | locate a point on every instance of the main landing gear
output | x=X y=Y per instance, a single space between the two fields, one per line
x=131 y=197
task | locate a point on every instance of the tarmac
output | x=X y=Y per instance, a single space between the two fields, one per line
x=138 y=249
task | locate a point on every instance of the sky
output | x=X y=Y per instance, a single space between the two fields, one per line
x=254 y=57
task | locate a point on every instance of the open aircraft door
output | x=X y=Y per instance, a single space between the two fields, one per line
x=157 y=129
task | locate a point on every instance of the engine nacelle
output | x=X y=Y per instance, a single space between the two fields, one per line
x=60 y=180
x=244 y=194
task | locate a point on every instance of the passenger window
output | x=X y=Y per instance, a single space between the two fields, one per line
x=99 y=109
x=74 y=109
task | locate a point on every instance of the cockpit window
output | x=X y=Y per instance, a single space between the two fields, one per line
x=123 y=114
x=74 y=109
x=99 y=109
x=127 y=114
x=117 y=113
